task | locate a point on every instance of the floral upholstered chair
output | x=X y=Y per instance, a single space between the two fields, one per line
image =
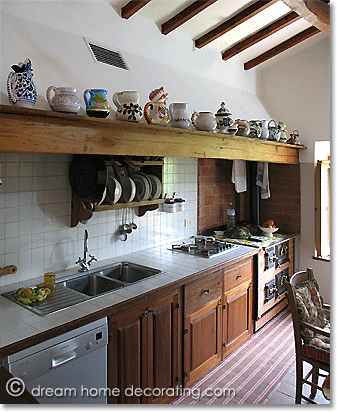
x=311 y=321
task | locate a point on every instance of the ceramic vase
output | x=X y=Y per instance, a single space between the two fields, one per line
x=223 y=121
x=64 y=99
x=20 y=86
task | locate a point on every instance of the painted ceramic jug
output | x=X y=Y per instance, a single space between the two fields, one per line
x=178 y=113
x=274 y=131
x=64 y=99
x=255 y=129
x=204 y=121
x=20 y=86
x=243 y=127
x=96 y=103
x=223 y=121
x=283 y=132
x=155 y=111
x=127 y=104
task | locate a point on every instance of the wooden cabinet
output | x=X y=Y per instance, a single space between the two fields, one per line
x=237 y=305
x=144 y=351
x=202 y=326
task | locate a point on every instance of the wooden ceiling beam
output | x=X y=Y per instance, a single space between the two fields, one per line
x=298 y=38
x=260 y=35
x=316 y=12
x=132 y=7
x=234 y=21
x=186 y=14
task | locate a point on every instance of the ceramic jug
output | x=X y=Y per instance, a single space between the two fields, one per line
x=283 y=132
x=155 y=111
x=223 y=121
x=243 y=127
x=96 y=104
x=178 y=114
x=264 y=130
x=204 y=121
x=255 y=129
x=274 y=131
x=127 y=106
x=20 y=86
x=64 y=99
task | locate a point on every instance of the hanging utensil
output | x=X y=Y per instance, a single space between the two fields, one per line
x=127 y=225
x=133 y=224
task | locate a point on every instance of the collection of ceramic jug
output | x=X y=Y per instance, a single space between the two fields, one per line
x=22 y=93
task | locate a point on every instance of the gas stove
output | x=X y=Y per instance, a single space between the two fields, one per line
x=204 y=246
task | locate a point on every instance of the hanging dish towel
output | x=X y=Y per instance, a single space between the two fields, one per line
x=262 y=179
x=239 y=175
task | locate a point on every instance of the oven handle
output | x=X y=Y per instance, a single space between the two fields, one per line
x=64 y=358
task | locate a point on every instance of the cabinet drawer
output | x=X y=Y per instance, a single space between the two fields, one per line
x=202 y=291
x=239 y=274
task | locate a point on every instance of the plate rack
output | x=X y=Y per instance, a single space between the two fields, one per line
x=79 y=213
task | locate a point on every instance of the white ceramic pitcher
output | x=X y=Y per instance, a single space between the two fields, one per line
x=204 y=121
x=178 y=114
x=128 y=107
x=64 y=99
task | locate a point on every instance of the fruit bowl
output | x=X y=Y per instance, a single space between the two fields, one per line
x=268 y=231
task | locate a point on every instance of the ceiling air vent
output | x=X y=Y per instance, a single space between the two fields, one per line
x=104 y=54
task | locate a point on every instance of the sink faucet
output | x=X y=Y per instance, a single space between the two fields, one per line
x=84 y=263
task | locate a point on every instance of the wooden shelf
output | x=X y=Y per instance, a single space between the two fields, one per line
x=41 y=131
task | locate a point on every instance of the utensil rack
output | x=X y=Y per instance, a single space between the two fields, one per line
x=80 y=214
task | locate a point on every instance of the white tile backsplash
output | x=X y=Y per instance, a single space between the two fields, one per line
x=35 y=214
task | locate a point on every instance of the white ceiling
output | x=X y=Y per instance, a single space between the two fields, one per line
x=161 y=10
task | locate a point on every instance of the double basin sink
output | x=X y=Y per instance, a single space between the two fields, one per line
x=110 y=278
x=84 y=286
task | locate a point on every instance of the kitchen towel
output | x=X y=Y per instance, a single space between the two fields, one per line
x=239 y=175
x=262 y=179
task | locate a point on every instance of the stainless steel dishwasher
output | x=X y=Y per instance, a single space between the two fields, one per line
x=68 y=369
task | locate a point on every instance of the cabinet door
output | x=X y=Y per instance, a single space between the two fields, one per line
x=237 y=316
x=126 y=360
x=164 y=347
x=202 y=341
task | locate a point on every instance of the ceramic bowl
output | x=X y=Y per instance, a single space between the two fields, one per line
x=268 y=231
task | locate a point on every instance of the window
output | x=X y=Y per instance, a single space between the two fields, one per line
x=322 y=209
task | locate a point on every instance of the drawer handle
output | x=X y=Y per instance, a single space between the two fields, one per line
x=206 y=291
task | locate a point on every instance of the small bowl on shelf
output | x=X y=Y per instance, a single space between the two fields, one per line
x=268 y=231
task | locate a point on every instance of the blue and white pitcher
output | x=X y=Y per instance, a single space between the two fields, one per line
x=20 y=86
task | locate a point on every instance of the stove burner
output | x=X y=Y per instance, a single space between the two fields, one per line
x=205 y=247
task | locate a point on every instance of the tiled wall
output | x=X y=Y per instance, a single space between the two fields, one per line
x=35 y=206
x=216 y=191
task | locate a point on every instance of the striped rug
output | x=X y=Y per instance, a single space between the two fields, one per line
x=248 y=375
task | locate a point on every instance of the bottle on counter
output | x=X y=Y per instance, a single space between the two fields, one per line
x=230 y=217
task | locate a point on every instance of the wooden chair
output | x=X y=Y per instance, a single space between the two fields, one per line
x=319 y=359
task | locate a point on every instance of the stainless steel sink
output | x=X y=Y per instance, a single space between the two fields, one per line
x=128 y=272
x=85 y=286
x=92 y=284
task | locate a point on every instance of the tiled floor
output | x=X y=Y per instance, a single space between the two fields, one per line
x=284 y=393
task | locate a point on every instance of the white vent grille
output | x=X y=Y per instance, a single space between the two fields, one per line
x=103 y=54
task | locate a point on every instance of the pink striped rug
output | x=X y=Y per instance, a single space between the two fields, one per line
x=248 y=375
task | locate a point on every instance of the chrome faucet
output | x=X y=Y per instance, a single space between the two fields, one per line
x=84 y=263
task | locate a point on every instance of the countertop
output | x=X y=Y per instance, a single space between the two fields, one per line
x=19 y=324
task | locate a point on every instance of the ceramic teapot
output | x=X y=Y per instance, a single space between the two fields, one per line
x=178 y=114
x=128 y=107
x=274 y=131
x=64 y=99
x=155 y=111
x=204 y=121
x=243 y=127
x=294 y=138
x=223 y=121
x=20 y=86
x=96 y=104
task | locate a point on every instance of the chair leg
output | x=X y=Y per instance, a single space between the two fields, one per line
x=299 y=377
x=314 y=380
